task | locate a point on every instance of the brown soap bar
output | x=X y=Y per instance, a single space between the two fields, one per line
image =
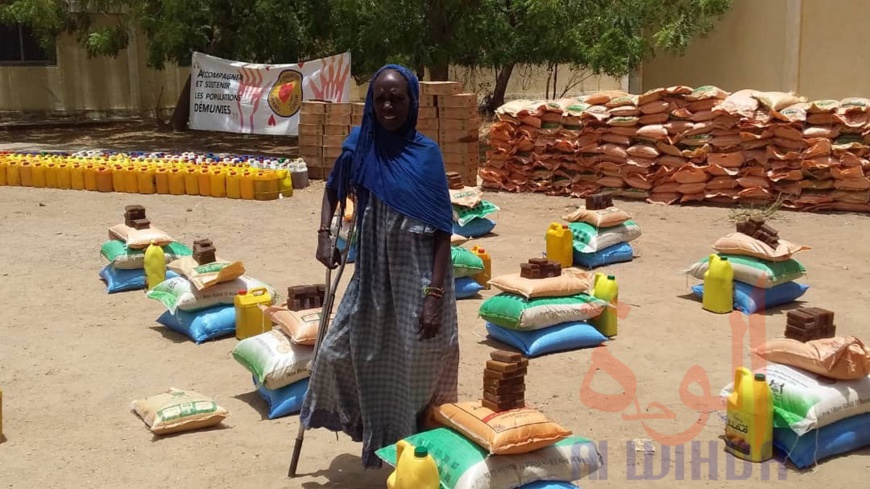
x=499 y=383
x=504 y=390
x=454 y=181
x=505 y=356
x=530 y=271
x=502 y=366
x=132 y=213
x=494 y=374
x=598 y=201
x=141 y=223
x=302 y=297
x=503 y=399
x=539 y=261
x=498 y=408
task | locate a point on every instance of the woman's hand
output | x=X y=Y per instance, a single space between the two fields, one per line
x=430 y=319
x=326 y=254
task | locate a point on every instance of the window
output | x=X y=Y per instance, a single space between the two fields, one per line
x=18 y=46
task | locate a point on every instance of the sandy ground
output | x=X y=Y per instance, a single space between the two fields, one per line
x=72 y=357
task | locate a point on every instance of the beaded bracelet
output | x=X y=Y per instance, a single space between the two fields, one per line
x=434 y=292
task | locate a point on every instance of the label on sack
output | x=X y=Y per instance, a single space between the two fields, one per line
x=204 y=276
x=466 y=197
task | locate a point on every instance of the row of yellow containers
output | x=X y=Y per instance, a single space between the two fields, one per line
x=183 y=179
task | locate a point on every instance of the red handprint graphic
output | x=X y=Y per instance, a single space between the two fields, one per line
x=250 y=90
x=328 y=83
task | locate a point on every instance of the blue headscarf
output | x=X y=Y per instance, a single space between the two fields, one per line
x=404 y=169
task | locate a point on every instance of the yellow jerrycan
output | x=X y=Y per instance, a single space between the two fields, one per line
x=145 y=183
x=485 y=276
x=51 y=175
x=30 y=172
x=749 y=425
x=13 y=174
x=605 y=288
x=234 y=185
x=246 y=185
x=560 y=245
x=131 y=179
x=204 y=181
x=718 y=286
x=191 y=181
x=117 y=178
x=4 y=179
x=415 y=469
x=155 y=266
x=176 y=181
x=104 y=177
x=64 y=176
x=161 y=180
x=218 y=182
x=77 y=176
x=250 y=319
x=285 y=183
x=91 y=177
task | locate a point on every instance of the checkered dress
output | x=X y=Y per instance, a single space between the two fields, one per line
x=373 y=377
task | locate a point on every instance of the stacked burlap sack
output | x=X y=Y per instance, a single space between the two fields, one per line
x=821 y=396
x=764 y=277
x=468 y=270
x=125 y=252
x=472 y=215
x=475 y=447
x=200 y=300
x=680 y=144
x=602 y=237
x=543 y=316
x=279 y=360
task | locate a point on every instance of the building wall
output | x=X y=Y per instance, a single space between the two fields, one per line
x=813 y=47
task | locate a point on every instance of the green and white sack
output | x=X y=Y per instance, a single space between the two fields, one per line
x=464 y=465
x=179 y=294
x=124 y=258
x=588 y=239
x=274 y=360
x=754 y=271
x=465 y=263
x=464 y=215
x=803 y=401
x=516 y=312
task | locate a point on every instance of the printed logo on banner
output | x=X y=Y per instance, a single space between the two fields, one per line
x=285 y=98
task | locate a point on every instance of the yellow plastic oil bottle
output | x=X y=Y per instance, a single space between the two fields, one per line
x=64 y=176
x=161 y=180
x=90 y=177
x=176 y=181
x=285 y=183
x=719 y=285
x=117 y=172
x=77 y=176
x=250 y=320
x=191 y=181
x=560 y=245
x=246 y=189
x=26 y=174
x=204 y=181
x=218 y=182
x=145 y=180
x=749 y=426
x=485 y=276
x=234 y=185
x=13 y=174
x=51 y=175
x=415 y=468
x=605 y=288
x=131 y=179
x=155 y=266
x=105 y=179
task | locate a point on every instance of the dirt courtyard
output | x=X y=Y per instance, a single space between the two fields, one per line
x=72 y=357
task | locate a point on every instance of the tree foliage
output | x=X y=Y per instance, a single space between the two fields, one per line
x=609 y=37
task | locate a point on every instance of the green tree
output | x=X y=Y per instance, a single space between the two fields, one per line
x=264 y=31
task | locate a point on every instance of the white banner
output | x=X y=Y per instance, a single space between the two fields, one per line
x=232 y=96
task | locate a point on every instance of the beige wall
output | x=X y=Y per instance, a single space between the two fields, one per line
x=813 y=47
x=91 y=87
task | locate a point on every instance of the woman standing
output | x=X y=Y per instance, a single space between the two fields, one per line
x=392 y=350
